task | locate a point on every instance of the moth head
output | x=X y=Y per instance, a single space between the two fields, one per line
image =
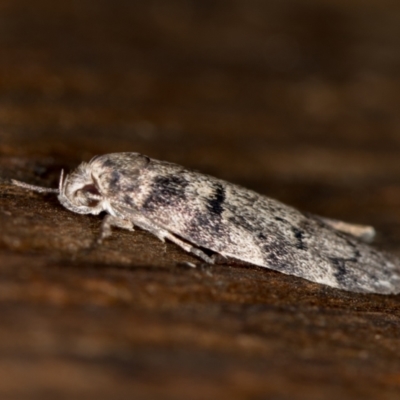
x=79 y=192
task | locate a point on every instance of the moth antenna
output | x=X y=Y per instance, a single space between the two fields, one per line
x=34 y=188
x=61 y=182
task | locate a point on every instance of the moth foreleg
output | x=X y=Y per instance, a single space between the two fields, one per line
x=147 y=225
x=108 y=222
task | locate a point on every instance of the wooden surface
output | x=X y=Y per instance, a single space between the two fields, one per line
x=297 y=100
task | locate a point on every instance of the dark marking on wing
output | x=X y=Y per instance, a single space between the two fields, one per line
x=170 y=186
x=166 y=191
x=275 y=250
x=109 y=163
x=215 y=203
x=350 y=243
x=299 y=235
x=128 y=200
x=261 y=236
x=342 y=274
x=115 y=180
x=242 y=222
x=340 y=269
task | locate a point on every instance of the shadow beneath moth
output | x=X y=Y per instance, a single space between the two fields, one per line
x=197 y=211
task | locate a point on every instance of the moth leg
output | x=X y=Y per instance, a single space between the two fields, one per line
x=142 y=222
x=108 y=222
x=189 y=248
x=363 y=232
x=163 y=234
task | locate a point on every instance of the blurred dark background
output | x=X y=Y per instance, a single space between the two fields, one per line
x=260 y=92
x=298 y=100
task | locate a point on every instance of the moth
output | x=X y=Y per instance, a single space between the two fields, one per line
x=205 y=215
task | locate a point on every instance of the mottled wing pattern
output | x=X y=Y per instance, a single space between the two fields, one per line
x=239 y=223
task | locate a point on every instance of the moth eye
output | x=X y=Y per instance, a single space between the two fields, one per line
x=88 y=195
